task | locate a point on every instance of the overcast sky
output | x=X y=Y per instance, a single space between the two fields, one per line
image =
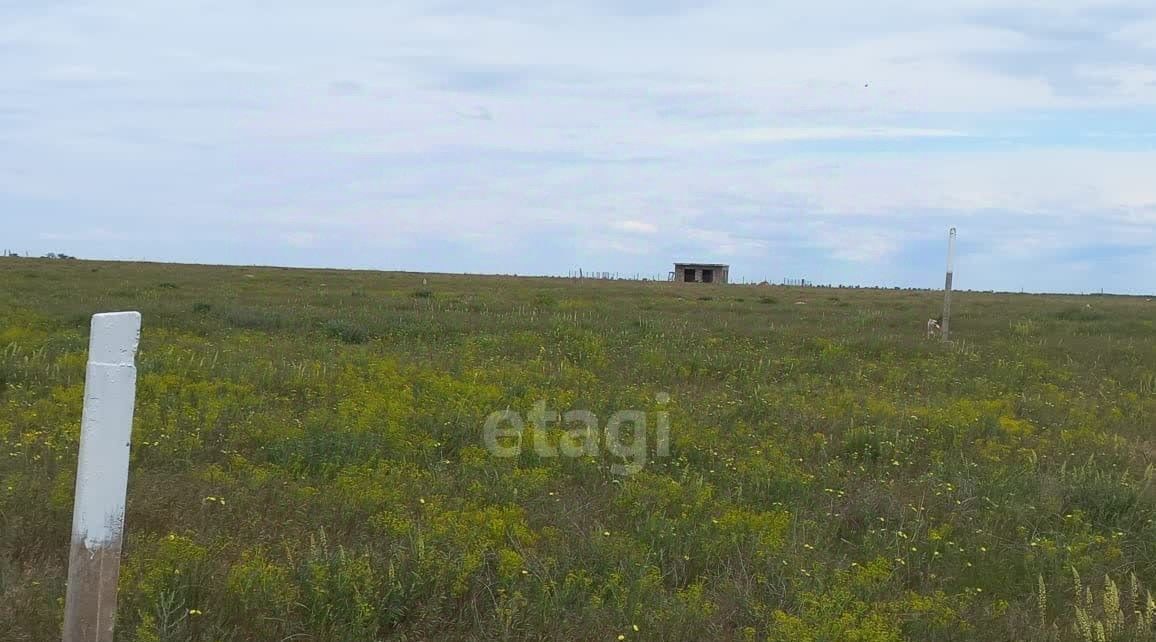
x=831 y=140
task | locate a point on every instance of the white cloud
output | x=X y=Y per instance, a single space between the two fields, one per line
x=635 y=227
x=724 y=243
x=1131 y=80
x=796 y=134
x=853 y=243
x=630 y=246
x=1139 y=33
x=300 y=239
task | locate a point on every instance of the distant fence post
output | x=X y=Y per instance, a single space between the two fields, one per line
x=101 y=478
x=947 y=284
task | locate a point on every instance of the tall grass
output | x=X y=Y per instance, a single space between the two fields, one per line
x=308 y=459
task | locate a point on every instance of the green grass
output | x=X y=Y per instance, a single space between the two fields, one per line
x=308 y=458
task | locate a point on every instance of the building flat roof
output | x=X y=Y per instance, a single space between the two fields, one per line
x=710 y=265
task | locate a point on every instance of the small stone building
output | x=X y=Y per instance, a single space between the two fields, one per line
x=701 y=273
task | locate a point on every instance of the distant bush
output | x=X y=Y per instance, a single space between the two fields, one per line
x=1077 y=313
x=1107 y=499
x=201 y=307
x=422 y=294
x=862 y=444
x=768 y=300
x=1023 y=327
x=545 y=300
x=346 y=332
x=167 y=286
x=254 y=319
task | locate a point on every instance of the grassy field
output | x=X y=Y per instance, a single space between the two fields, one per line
x=309 y=459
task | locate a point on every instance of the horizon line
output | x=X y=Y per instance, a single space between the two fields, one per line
x=744 y=281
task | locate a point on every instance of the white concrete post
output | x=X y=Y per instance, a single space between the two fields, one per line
x=945 y=329
x=101 y=478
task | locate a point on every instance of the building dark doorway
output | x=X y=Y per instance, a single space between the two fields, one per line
x=688 y=275
x=708 y=276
